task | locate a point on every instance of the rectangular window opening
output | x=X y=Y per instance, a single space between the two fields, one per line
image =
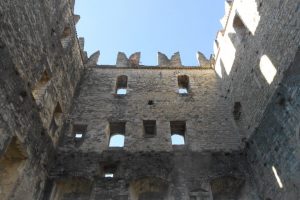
x=149 y=128
x=108 y=175
x=117 y=134
x=79 y=130
x=178 y=129
x=121 y=85
x=183 y=84
x=109 y=170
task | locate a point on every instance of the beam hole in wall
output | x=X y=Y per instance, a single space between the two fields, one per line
x=40 y=87
x=150 y=102
x=66 y=37
x=117 y=134
x=178 y=129
x=183 y=84
x=149 y=128
x=121 y=85
x=237 y=110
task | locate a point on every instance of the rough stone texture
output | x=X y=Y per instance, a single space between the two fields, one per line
x=59 y=109
x=169 y=173
x=163 y=60
x=269 y=112
x=30 y=45
x=93 y=59
x=133 y=61
x=203 y=61
x=209 y=122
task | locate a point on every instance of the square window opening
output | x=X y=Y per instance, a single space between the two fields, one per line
x=149 y=128
x=79 y=130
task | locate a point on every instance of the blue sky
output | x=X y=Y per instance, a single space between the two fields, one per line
x=149 y=26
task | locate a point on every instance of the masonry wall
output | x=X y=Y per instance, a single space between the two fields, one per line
x=208 y=119
x=30 y=49
x=270 y=28
x=151 y=168
x=269 y=109
x=275 y=143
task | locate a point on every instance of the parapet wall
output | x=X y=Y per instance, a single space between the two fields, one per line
x=163 y=61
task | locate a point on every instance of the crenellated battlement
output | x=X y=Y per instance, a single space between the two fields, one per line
x=133 y=61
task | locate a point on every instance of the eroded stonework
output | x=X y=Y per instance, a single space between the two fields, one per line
x=235 y=116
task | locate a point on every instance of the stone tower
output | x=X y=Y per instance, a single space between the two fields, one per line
x=227 y=129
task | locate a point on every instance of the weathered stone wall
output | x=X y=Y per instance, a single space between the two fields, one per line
x=177 y=175
x=208 y=119
x=34 y=60
x=250 y=101
x=275 y=143
x=270 y=28
x=198 y=169
x=268 y=113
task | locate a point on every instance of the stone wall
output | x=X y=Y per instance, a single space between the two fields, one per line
x=258 y=60
x=176 y=175
x=40 y=65
x=150 y=167
x=240 y=121
x=255 y=29
x=209 y=125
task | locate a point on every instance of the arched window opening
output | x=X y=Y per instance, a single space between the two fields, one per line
x=40 y=88
x=117 y=140
x=183 y=84
x=121 y=85
x=177 y=139
x=149 y=188
x=178 y=130
x=66 y=37
x=117 y=134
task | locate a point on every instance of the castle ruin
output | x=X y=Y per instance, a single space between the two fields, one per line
x=228 y=129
